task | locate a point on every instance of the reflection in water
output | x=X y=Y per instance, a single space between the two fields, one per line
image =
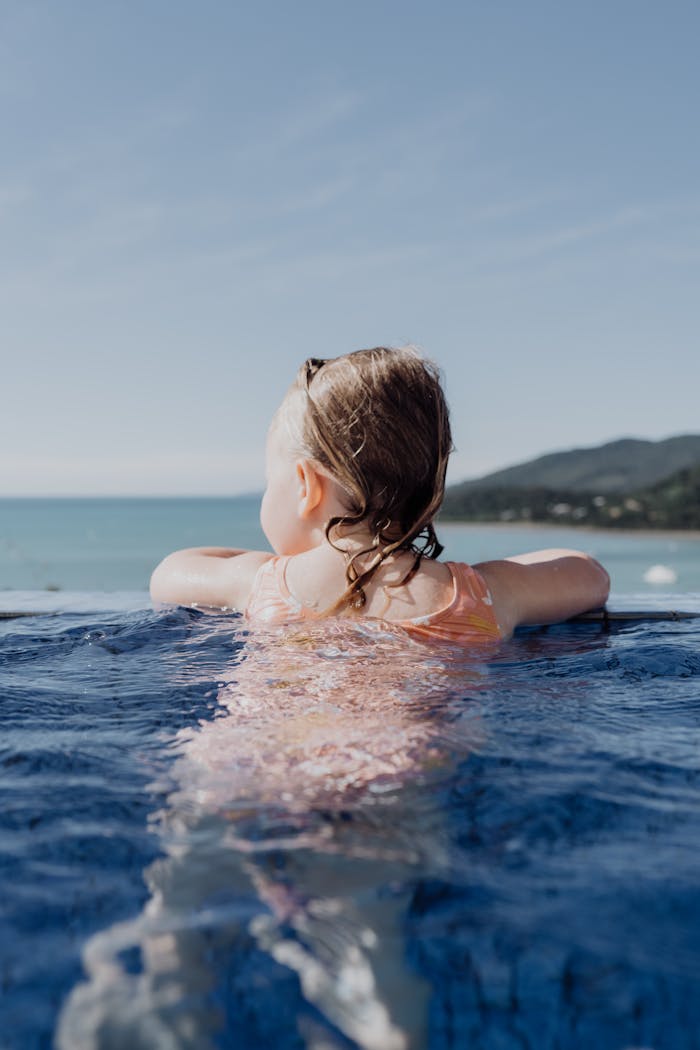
x=295 y=821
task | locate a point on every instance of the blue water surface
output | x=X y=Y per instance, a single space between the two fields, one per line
x=339 y=837
x=114 y=544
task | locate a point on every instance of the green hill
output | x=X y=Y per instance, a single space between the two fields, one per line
x=673 y=501
x=618 y=466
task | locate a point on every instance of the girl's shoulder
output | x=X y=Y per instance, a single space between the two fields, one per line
x=450 y=593
x=467 y=618
x=269 y=598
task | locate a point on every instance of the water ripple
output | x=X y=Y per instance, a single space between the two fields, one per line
x=336 y=836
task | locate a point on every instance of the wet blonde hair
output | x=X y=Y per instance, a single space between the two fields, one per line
x=377 y=421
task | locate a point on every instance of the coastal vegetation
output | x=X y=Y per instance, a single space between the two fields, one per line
x=621 y=485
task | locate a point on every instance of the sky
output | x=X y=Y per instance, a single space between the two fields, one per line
x=195 y=197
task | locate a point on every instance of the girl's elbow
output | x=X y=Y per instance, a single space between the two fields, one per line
x=163 y=581
x=158 y=584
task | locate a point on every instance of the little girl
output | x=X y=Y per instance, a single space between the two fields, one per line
x=356 y=460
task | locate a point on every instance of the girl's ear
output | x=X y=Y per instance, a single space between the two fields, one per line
x=310 y=487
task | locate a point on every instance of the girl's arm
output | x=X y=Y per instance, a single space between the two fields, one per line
x=216 y=576
x=544 y=586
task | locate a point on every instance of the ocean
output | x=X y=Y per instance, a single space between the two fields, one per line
x=110 y=545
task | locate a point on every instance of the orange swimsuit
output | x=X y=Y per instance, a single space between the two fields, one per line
x=468 y=619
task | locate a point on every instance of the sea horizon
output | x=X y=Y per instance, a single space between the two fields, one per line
x=100 y=543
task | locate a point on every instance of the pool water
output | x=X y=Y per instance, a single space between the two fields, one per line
x=337 y=837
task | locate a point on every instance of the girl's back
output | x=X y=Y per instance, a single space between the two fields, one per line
x=442 y=601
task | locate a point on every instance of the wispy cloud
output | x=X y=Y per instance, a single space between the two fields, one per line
x=315 y=118
x=631 y=219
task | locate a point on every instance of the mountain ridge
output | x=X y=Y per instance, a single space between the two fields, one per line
x=586 y=494
x=615 y=466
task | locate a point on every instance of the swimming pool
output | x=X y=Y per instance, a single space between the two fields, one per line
x=338 y=837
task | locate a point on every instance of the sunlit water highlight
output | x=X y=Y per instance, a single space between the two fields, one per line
x=338 y=837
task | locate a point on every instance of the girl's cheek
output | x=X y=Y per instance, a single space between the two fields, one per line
x=265 y=521
x=274 y=525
